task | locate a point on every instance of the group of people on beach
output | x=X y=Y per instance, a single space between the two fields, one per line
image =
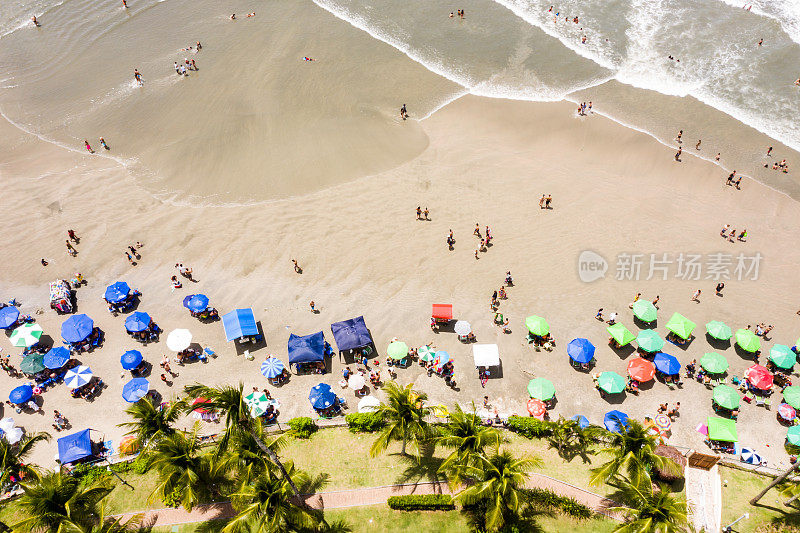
x=132 y=253
x=583 y=108
x=727 y=233
x=459 y=13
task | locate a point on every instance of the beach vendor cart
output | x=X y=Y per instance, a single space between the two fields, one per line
x=61 y=296
x=441 y=314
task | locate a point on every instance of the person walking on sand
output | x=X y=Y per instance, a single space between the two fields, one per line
x=138 y=77
x=696 y=296
x=296 y=266
x=70 y=249
x=678 y=154
x=425 y=213
x=719 y=288
x=717 y=157
x=477 y=230
x=128 y=255
x=547 y=202
x=697 y=146
x=655 y=302
x=541 y=202
x=103 y=144
x=419 y=212
x=403 y=112
x=72 y=236
x=88 y=146
x=769 y=150
x=312 y=306
x=678 y=138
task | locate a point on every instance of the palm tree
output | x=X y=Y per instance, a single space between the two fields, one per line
x=12 y=457
x=777 y=481
x=570 y=439
x=633 y=452
x=56 y=502
x=650 y=510
x=405 y=418
x=184 y=470
x=468 y=438
x=499 y=484
x=244 y=451
x=150 y=420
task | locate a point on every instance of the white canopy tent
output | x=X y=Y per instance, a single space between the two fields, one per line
x=486 y=354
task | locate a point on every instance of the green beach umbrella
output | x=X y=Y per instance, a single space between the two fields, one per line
x=257 y=402
x=541 y=389
x=719 y=330
x=714 y=363
x=747 y=340
x=791 y=395
x=726 y=397
x=722 y=429
x=537 y=325
x=621 y=334
x=26 y=335
x=649 y=341
x=644 y=310
x=793 y=435
x=32 y=364
x=397 y=350
x=426 y=353
x=782 y=356
x=611 y=382
x=680 y=326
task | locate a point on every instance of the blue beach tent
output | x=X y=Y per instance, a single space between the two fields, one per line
x=351 y=334
x=239 y=323
x=74 y=447
x=307 y=349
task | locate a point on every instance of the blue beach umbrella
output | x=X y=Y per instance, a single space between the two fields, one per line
x=76 y=328
x=56 y=357
x=137 y=322
x=21 y=394
x=135 y=390
x=580 y=350
x=321 y=396
x=117 y=292
x=78 y=377
x=8 y=316
x=667 y=364
x=196 y=302
x=582 y=421
x=615 y=421
x=131 y=359
x=272 y=367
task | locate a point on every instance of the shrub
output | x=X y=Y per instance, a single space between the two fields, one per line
x=421 y=502
x=563 y=504
x=364 y=422
x=302 y=427
x=88 y=474
x=531 y=428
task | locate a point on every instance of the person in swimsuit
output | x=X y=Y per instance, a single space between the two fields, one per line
x=88 y=147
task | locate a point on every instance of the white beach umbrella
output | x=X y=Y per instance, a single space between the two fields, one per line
x=6 y=424
x=179 y=339
x=462 y=328
x=13 y=435
x=368 y=404
x=356 y=382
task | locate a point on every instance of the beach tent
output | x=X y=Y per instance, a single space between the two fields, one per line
x=74 y=447
x=76 y=328
x=580 y=350
x=644 y=310
x=351 y=334
x=131 y=359
x=649 y=341
x=56 y=357
x=782 y=356
x=26 y=335
x=641 y=369
x=397 y=350
x=196 y=303
x=722 y=429
x=714 y=363
x=667 y=364
x=616 y=421
x=680 y=326
x=8 y=316
x=718 y=330
x=621 y=334
x=117 y=292
x=486 y=354
x=137 y=322
x=442 y=311
x=541 y=389
x=747 y=340
x=239 y=323
x=537 y=325
x=307 y=349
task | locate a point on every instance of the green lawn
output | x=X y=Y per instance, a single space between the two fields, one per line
x=738 y=487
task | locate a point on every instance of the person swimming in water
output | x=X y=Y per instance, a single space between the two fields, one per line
x=306 y=58
x=124 y=4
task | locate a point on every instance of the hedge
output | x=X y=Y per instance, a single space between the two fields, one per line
x=531 y=428
x=302 y=427
x=421 y=502
x=89 y=473
x=364 y=422
x=564 y=504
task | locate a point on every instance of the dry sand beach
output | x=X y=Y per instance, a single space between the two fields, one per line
x=485 y=161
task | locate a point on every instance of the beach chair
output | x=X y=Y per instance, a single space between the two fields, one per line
x=768 y=403
x=342 y=401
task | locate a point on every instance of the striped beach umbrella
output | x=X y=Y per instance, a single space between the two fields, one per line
x=272 y=367
x=787 y=412
x=257 y=402
x=78 y=377
x=426 y=353
x=750 y=456
x=662 y=422
x=26 y=335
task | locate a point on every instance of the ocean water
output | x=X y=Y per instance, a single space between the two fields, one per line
x=256 y=121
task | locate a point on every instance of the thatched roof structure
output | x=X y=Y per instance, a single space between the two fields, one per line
x=670 y=452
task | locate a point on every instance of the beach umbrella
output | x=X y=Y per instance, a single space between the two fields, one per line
x=641 y=369
x=662 y=422
x=368 y=404
x=582 y=421
x=536 y=408
x=611 y=382
x=747 y=340
x=196 y=303
x=272 y=367
x=117 y=292
x=759 y=377
x=667 y=364
x=356 y=382
x=426 y=353
x=616 y=421
x=13 y=436
x=787 y=412
x=793 y=435
x=621 y=334
x=541 y=389
x=680 y=326
x=321 y=396
x=649 y=341
x=8 y=316
x=791 y=395
x=128 y=445
x=397 y=350
x=580 y=350
x=462 y=328
x=750 y=456
x=78 y=377
x=7 y=422
x=714 y=363
x=782 y=356
x=644 y=310
x=179 y=339
x=719 y=330
x=441 y=357
x=537 y=325
x=722 y=429
x=135 y=390
x=26 y=335
x=131 y=359
x=56 y=357
x=32 y=363
x=726 y=397
x=20 y=395
x=137 y=322
x=76 y=328
x=257 y=402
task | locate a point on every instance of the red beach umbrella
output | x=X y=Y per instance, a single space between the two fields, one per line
x=536 y=408
x=641 y=369
x=759 y=377
x=787 y=412
x=199 y=402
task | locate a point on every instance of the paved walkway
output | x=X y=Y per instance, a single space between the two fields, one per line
x=704 y=498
